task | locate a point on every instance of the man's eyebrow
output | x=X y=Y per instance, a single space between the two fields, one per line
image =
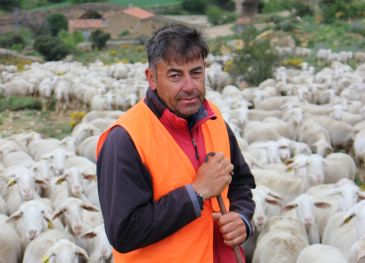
x=175 y=70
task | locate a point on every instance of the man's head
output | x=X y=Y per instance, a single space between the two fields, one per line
x=176 y=56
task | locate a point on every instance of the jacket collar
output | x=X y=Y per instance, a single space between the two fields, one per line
x=159 y=108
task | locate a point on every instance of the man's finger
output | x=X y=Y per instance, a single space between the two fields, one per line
x=216 y=215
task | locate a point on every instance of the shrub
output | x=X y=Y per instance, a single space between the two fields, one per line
x=9 y=5
x=9 y=40
x=51 y=48
x=56 y=23
x=227 y=5
x=91 y=14
x=276 y=6
x=98 y=39
x=71 y=39
x=195 y=6
x=358 y=28
x=256 y=60
x=215 y=15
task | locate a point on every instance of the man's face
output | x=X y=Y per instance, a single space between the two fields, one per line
x=180 y=86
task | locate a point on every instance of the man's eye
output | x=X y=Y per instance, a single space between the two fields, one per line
x=174 y=76
x=196 y=74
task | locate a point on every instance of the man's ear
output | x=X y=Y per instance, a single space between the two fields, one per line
x=150 y=76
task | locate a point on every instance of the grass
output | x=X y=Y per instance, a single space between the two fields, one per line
x=15 y=103
x=47 y=123
x=124 y=53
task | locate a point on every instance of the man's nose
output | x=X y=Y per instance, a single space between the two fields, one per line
x=188 y=84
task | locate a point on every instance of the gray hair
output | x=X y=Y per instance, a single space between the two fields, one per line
x=176 y=43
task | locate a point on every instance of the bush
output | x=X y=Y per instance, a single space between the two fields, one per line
x=358 y=28
x=11 y=40
x=215 y=15
x=195 y=6
x=71 y=39
x=276 y=6
x=256 y=60
x=9 y=5
x=91 y=14
x=98 y=39
x=338 y=9
x=51 y=48
x=56 y=23
x=227 y=5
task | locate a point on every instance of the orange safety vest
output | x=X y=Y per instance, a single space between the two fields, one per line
x=170 y=168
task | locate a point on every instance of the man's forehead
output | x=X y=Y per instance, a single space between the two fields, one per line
x=180 y=63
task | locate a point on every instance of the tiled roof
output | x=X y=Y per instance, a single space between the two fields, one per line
x=85 y=23
x=138 y=12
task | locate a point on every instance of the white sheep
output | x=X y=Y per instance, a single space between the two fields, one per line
x=320 y=253
x=303 y=207
x=338 y=166
x=101 y=250
x=281 y=240
x=54 y=246
x=10 y=249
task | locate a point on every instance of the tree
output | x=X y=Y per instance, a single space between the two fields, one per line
x=99 y=38
x=56 y=23
x=215 y=15
x=9 y=5
x=51 y=47
x=195 y=6
x=228 y=5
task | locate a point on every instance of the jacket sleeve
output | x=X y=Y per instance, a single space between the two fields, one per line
x=132 y=218
x=239 y=192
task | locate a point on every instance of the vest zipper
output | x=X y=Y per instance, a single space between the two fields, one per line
x=195 y=148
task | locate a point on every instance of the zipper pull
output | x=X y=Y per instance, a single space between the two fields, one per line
x=196 y=148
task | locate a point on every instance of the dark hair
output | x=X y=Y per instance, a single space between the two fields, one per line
x=178 y=43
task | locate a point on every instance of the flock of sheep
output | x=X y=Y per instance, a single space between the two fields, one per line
x=302 y=134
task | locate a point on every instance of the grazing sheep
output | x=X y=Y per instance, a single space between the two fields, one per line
x=320 y=253
x=10 y=248
x=54 y=246
x=281 y=240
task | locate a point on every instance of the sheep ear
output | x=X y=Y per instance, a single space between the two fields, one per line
x=49 y=221
x=347 y=219
x=289 y=207
x=82 y=253
x=322 y=204
x=61 y=179
x=273 y=201
x=57 y=214
x=89 y=207
x=45 y=259
x=275 y=195
x=90 y=177
x=40 y=181
x=288 y=162
x=89 y=234
x=17 y=215
x=11 y=182
x=361 y=194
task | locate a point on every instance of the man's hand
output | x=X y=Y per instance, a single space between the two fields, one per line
x=232 y=228
x=213 y=176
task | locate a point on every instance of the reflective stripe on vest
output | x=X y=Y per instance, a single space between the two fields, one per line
x=170 y=168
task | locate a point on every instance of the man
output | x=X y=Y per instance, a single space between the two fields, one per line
x=157 y=191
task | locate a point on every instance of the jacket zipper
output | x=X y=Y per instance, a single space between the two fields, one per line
x=195 y=148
